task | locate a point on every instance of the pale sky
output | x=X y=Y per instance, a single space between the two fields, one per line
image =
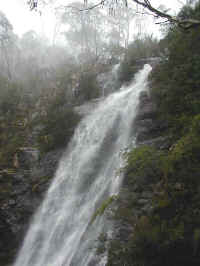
x=23 y=19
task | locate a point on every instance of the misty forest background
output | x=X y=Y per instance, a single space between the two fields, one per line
x=41 y=84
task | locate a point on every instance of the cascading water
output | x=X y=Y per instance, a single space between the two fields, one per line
x=61 y=234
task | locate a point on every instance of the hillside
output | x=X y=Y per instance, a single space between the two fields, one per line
x=157 y=214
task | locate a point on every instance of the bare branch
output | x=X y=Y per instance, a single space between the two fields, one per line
x=146 y=4
x=184 y=24
x=94 y=6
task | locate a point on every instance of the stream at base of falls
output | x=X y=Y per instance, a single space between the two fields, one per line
x=60 y=233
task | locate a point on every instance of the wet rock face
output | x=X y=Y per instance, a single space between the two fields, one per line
x=144 y=122
x=147 y=108
x=136 y=199
x=6 y=245
x=152 y=61
x=148 y=127
x=27 y=157
x=21 y=192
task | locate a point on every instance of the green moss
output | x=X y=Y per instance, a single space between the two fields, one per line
x=100 y=211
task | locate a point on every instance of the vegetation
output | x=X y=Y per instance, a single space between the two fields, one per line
x=58 y=125
x=146 y=7
x=169 y=233
x=36 y=109
x=12 y=121
x=88 y=88
x=37 y=97
x=138 y=50
x=179 y=75
x=39 y=87
x=144 y=162
x=17 y=123
x=100 y=211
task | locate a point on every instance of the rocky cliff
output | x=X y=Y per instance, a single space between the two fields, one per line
x=22 y=190
x=135 y=200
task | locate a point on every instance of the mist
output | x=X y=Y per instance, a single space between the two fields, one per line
x=49 y=84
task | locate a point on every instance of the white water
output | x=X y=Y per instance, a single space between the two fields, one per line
x=60 y=234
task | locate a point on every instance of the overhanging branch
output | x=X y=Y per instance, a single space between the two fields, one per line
x=184 y=24
x=146 y=4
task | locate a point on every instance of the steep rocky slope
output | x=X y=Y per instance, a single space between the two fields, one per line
x=21 y=193
x=136 y=197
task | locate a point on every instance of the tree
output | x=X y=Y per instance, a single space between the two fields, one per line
x=82 y=29
x=149 y=9
x=7 y=46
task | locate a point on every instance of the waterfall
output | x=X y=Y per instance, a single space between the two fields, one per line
x=60 y=233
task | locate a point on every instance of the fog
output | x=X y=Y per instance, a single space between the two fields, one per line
x=40 y=49
x=26 y=47
x=18 y=13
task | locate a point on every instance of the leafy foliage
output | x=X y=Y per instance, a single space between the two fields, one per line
x=137 y=50
x=169 y=234
x=58 y=128
x=171 y=229
x=175 y=83
x=143 y=165
x=88 y=88
x=12 y=121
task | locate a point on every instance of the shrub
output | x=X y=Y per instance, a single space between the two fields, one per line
x=58 y=128
x=88 y=88
x=137 y=50
x=144 y=164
